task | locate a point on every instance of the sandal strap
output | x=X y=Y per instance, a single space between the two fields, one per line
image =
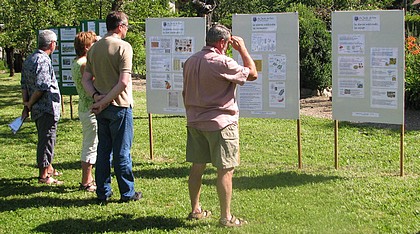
x=233 y=222
x=202 y=215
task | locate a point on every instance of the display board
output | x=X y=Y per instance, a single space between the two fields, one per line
x=63 y=57
x=273 y=42
x=368 y=66
x=98 y=26
x=169 y=43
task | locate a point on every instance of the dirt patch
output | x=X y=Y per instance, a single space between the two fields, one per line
x=139 y=84
x=320 y=107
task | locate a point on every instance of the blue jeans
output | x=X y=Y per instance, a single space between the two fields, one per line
x=115 y=135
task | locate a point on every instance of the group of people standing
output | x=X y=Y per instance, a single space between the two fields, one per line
x=102 y=74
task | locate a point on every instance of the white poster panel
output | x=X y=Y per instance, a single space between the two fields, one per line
x=368 y=66
x=169 y=43
x=273 y=43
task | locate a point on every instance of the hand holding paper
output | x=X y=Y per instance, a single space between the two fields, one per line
x=16 y=124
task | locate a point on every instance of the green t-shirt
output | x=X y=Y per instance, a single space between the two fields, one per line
x=85 y=101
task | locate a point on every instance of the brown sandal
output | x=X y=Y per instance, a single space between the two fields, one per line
x=233 y=222
x=202 y=215
x=49 y=180
x=89 y=187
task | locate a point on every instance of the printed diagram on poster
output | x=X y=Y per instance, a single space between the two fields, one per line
x=178 y=80
x=161 y=81
x=160 y=45
x=67 y=78
x=384 y=78
x=160 y=63
x=67 y=34
x=178 y=62
x=102 y=29
x=351 y=66
x=351 y=44
x=91 y=26
x=173 y=99
x=55 y=59
x=67 y=48
x=57 y=72
x=277 y=66
x=351 y=88
x=366 y=23
x=277 y=94
x=66 y=61
x=261 y=42
x=384 y=98
x=384 y=57
x=183 y=45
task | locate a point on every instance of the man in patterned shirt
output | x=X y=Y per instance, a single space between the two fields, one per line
x=41 y=98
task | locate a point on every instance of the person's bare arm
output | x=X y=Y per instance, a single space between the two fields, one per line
x=25 y=99
x=239 y=45
x=33 y=99
x=87 y=82
x=102 y=101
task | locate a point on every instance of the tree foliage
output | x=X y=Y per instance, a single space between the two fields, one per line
x=22 y=18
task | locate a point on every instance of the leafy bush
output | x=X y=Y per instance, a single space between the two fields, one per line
x=137 y=41
x=314 y=49
x=3 y=65
x=412 y=75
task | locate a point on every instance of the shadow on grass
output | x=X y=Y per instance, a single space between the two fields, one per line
x=42 y=202
x=283 y=179
x=8 y=94
x=167 y=171
x=24 y=186
x=170 y=172
x=118 y=223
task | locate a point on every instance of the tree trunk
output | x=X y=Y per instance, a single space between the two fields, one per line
x=116 y=4
x=10 y=57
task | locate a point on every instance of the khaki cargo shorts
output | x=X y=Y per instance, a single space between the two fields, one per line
x=221 y=148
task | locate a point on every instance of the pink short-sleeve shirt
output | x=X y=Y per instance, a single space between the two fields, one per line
x=209 y=92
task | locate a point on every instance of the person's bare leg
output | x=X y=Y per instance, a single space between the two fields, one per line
x=194 y=186
x=50 y=169
x=224 y=191
x=43 y=172
x=86 y=173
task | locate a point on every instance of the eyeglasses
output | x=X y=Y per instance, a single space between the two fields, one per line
x=124 y=24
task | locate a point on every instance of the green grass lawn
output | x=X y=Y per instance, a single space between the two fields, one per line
x=366 y=194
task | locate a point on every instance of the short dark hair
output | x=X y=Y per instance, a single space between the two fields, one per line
x=216 y=33
x=114 y=19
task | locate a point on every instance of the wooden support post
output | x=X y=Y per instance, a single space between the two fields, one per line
x=71 y=106
x=150 y=136
x=62 y=104
x=336 y=144
x=299 y=144
x=402 y=150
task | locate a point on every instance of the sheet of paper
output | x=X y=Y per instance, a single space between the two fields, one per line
x=16 y=124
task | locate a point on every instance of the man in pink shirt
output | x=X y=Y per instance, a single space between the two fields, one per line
x=210 y=79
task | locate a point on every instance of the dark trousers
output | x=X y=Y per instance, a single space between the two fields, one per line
x=47 y=130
